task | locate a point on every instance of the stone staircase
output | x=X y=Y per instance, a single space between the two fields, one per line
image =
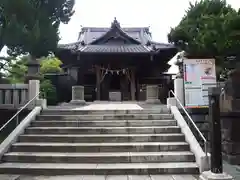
x=68 y=142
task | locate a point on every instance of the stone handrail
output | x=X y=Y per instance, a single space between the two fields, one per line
x=13 y=96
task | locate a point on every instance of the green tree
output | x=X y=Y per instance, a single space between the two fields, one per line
x=16 y=70
x=210 y=28
x=50 y=64
x=48 y=91
x=31 y=26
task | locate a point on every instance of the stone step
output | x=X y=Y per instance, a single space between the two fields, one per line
x=98 y=169
x=76 y=111
x=113 y=157
x=103 y=130
x=100 y=147
x=107 y=117
x=104 y=123
x=81 y=138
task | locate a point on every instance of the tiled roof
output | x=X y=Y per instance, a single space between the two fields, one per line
x=116 y=49
x=89 y=34
x=69 y=46
x=162 y=45
x=115 y=40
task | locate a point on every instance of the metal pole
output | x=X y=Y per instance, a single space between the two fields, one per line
x=216 y=138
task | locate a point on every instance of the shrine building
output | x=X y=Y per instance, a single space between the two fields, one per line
x=115 y=63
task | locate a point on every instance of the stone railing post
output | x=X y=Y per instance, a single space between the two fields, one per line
x=152 y=94
x=78 y=95
x=33 y=90
x=179 y=89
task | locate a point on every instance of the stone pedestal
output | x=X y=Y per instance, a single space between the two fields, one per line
x=208 y=175
x=78 y=95
x=179 y=89
x=152 y=94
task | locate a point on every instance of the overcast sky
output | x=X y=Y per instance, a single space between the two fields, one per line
x=160 y=15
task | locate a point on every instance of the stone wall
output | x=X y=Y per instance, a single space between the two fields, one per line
x=5 y=115
x=200 y=117
x=230 y=132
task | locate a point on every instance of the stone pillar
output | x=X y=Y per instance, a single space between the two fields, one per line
x=78 y=95
x=179 y=81
x=152 y=94
x=230 y=115
x=179 y=89
x=33 y=91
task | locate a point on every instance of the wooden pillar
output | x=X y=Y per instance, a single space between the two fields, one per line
x=137 y=89
x=98 y=82
x=80 y=79
x=133 y=85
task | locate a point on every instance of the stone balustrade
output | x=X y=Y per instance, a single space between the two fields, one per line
x=13 y=95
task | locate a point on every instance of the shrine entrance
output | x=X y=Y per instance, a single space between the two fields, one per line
x=115 y=81
x=115 y=84
x=115 y=63
x=115 y=93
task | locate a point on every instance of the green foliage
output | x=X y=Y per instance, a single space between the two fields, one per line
x=17 y=70
x=50 y=65
x=209 y=28
x=48 y=91
x=31 y=26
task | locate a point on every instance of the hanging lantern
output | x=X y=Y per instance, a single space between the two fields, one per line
x=117 y=72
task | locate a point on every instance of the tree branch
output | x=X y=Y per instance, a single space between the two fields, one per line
x=6 y=58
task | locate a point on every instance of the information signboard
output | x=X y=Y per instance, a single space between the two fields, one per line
x=199 y=75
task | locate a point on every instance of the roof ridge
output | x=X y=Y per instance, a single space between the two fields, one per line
x=116 y=25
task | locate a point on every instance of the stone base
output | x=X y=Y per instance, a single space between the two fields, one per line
x=171 y=102
x=42 y=103
x=208 y=175
x=153 y=101
x=78 y=102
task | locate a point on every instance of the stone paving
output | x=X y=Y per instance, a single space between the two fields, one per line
x=111 y=106
x=89 y=177
x=233 y=170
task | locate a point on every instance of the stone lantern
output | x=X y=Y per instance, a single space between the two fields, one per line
x=33 y=69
